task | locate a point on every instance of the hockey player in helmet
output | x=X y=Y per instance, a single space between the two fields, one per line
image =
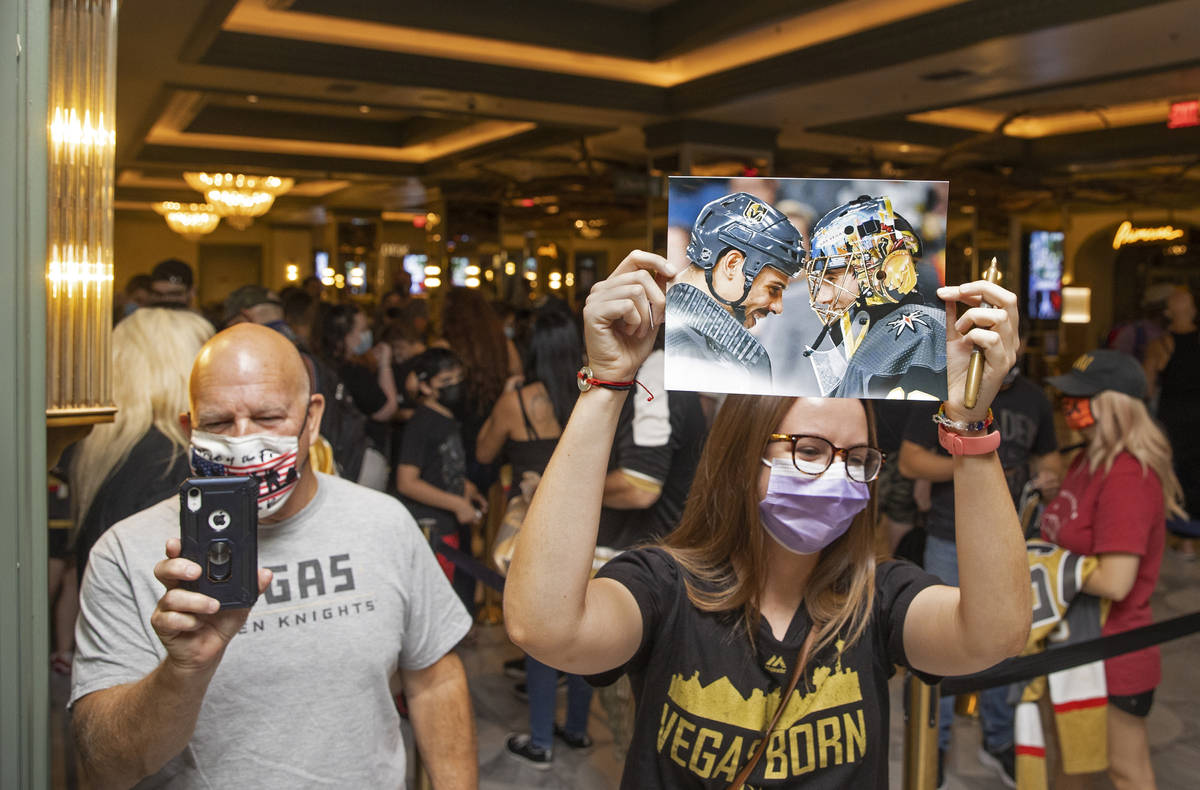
x=863 y=283
x=743 y=254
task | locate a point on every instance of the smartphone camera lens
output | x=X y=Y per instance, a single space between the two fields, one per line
x=218 y=520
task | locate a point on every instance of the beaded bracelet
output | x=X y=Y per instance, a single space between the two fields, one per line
x=962 y=427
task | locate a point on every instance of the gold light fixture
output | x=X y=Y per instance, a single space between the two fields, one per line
x=79 y=265
x=239 y=198
x=190 y=220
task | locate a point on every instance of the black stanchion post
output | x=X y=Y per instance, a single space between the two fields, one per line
x=920 y=735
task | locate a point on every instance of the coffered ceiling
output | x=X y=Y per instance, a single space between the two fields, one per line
x=371 y=103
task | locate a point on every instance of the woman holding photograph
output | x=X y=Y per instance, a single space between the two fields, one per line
x=769 y=589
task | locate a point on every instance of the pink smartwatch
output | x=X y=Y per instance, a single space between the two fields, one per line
x=957 y=444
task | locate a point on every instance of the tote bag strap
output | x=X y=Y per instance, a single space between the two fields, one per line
x=797 y=671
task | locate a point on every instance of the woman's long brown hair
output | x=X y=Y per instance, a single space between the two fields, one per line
x=721 y=545
x=474 y=332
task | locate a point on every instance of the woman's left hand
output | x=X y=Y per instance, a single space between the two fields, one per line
x=993 y=329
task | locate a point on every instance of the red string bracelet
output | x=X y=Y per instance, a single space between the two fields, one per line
x=586 y=381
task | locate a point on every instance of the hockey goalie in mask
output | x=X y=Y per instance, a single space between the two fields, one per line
x=743 y=254
x=862 y=274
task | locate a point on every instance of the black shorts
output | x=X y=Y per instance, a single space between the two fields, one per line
x=1133 y=704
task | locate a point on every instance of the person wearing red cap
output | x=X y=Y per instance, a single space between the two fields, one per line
x=1113 y=504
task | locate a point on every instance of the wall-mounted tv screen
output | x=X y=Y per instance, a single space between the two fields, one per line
x=1045 y=274
x=415 y=266
x=458 y=270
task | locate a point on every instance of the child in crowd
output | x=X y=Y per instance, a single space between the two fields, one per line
x=431 y=473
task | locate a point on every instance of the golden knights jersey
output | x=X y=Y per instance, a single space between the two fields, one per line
x=1079 y=695
x=901 y=354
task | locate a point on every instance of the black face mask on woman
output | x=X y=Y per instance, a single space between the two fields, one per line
x=453 y=397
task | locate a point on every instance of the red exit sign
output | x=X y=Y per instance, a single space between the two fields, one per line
x=1184 y=113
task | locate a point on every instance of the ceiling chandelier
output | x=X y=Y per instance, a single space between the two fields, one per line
x=239 y=198
x=190 y=220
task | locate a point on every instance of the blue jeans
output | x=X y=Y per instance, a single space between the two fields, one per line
x=541 y=682
x=941 y=559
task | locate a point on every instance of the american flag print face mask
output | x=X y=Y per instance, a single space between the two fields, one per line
x=269 y=459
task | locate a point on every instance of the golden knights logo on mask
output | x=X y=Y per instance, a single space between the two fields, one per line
x=755 y=212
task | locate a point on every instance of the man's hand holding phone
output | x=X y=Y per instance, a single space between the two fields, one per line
x=192 y=626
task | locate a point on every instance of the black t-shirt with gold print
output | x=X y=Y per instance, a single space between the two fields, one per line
x=704 y=694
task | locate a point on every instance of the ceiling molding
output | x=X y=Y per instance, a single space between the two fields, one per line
x=938 y=32
x=692 y=130
x=233 y=159
x=808 y=24
x=250 y=121
x=207 y=27
x=334 y=62
x=563 y=24
x=690 y=24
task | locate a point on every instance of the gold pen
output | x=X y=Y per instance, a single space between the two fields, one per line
x=975 y=367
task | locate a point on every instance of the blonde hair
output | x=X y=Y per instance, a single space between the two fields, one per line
x=153 y=351
x=1123 y=425
x=721 y=544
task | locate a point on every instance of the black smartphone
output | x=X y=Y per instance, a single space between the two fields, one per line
x=218 y=526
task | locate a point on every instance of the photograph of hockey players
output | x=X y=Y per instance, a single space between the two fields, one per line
x=876 y=302
x=736 y=336
x=743 y=254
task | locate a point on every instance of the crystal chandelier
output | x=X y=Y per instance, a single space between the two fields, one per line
x=190 y=220
x=238 y=198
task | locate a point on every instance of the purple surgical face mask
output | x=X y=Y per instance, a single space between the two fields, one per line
x=805 y=514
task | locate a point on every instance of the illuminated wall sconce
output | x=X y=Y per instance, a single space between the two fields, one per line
x=471 y=271
x=327 y=277
x=358 y=277
x=79 y=241
x=555 y=281
x=1076 y=305
x=471 y=282
x=510 y=268
x=531 y=276
x=432 y=282
x=339 y=280
x=432 y=271
x=292 y=273
x=570 y=279
x=489 y=275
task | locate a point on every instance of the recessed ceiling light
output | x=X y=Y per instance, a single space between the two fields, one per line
x=364 y=109
x=252 y=98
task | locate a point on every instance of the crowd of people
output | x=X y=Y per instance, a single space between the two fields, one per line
x=713 y=557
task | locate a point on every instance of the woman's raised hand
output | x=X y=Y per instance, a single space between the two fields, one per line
x=622 y=315
x=992 y=328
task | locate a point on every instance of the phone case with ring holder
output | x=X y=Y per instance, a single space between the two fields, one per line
x=218 y=527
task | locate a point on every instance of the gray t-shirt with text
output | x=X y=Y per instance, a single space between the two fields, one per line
x=301 y=697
